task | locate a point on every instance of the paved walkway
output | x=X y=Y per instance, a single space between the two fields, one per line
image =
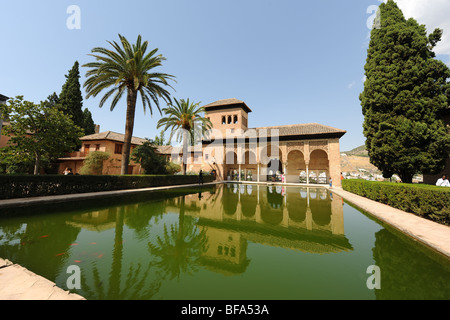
x=18 y=283
x=432 y=234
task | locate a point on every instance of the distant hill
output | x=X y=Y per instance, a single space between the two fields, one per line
x=358 y=151
x=356 y=159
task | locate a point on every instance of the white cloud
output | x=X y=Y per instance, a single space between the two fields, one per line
x=433 y=14
x=351 y=85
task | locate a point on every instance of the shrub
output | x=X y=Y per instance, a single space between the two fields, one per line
x=22 y=186
x=150 y=161
x=93 y=164
x=172 y=168
x=427 y=201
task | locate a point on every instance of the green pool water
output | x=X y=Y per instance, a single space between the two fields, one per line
x=227 y=242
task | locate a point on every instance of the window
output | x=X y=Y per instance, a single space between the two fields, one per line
x=118 y=148
x=97 y=147
x=223 y=120
x=235 y=120
x=229 y=119
x=87 y=147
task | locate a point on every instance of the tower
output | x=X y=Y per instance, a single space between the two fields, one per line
x=228 y=114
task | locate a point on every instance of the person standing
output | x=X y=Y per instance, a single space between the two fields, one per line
x=200 y=177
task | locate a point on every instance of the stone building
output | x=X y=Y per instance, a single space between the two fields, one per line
x=108 y=141
x=306 y=153
x=302 y=153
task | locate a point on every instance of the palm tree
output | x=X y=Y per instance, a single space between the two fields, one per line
x=127 y=69
x=185 y=119
x=180 y=249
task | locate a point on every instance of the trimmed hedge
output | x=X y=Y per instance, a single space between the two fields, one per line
x=23 y=186
x=427 y=201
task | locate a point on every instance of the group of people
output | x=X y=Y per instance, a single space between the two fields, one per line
x=443 y=182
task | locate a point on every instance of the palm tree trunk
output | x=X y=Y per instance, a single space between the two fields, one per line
x=129 y=125
x=185 y=151
x=116 y=269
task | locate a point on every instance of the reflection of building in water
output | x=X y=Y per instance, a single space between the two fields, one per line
x=304 y=219
x=226 y=253
x=95 y=220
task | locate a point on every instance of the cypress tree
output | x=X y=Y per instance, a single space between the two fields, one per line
x=88 y=122
x=404 y=97
x=71 y=99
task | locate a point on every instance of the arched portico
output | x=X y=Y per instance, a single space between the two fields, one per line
x=270 y=164
x=319 y=169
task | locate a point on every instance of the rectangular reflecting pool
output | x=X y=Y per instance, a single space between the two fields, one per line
x=225 y=242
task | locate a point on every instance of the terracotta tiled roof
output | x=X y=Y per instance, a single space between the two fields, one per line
x=227 y=102
x=300 y=129
x=114 y=136
x=164 y=149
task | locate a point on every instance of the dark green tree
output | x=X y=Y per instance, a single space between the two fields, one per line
x=71 y=100
x=150 y=161
x=88 y=122
x=52 y=100
x=404 y=97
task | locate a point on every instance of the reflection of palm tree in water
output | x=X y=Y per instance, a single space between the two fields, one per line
x=180 y=248
x=134 y=287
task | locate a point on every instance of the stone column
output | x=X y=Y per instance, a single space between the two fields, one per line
x=306 y=155
x=334 y=162
x=307 y=172
x=258 y=175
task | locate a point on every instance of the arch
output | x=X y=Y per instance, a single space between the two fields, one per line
x=268 y=153
x=229 y=120
x=318 y=159
x=296 y=165
x=250 y=157
x=248 y=205
x=231 y=166
x=320 y=210
x=296 y=207
x=319 y=170
x=273 y=212
x=230 y=201
x=231 y=158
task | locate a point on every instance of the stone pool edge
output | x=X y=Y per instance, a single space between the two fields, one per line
x=18 y=283
x=432 y=234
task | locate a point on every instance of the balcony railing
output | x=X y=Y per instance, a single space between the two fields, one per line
x=76 y=154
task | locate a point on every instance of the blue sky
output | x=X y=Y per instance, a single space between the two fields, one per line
x=291 y=61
